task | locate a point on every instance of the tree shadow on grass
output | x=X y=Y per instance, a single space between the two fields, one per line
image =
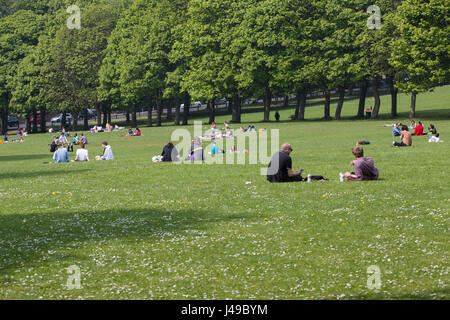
x=405 y=296
x=35 y=174
x=28 y=240
x=24 y=157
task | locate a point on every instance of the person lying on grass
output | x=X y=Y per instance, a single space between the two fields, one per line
x=107 y=152
x=364 y=167
x=406 y=138
x=280 y=168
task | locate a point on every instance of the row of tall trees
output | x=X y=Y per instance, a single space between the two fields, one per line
x=160 y=54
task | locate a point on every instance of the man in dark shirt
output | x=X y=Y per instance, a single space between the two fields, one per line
x=280 y=167
x=169 y=153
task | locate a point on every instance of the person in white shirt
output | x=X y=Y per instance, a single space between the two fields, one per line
x=435 y=138
x=82 y=154
x=107 y=152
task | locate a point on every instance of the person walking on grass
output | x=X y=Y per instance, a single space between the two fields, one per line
x=406 y=138
x=277 y=116
x=364 y=167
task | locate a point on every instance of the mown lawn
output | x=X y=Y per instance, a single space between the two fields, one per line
x=140 y=230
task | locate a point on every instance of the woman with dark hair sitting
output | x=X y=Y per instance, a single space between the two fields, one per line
x=169 y=153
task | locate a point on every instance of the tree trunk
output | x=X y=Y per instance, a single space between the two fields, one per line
x=43 y=120
x=133 y=116
x=326 y=114
x=236 y=107
x=75 y=120
x=177 y=113
x=212 y=110
x=362 y=99
x=159 y=110
x=35 y=121
x=376 y=95
x=169 y=110
x=149 y=111
x=286 y=102
x=127 y=118
x=63 y=120
x=85 y=119
x=109 y=112
x=99 y=113
x=4 y=122
x=394 y=92
x=301 y=104
x=267 y=103
x=105 y=114
x=230 y=105
x=412 y=113
x=187 y=104
x=28 y=125
x=340 y=104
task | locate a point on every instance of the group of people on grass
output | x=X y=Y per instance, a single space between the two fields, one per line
x=405 y=135
x=280 y=168
x=61 y=155
x=7 y=140
x=131 y=133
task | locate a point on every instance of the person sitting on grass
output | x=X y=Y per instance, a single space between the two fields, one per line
x=364 y=167
x=107 y=152
x=5 y=138
x=435 y=138
x=406 y=138
x=418 y=130
x=214 y=148
x=76 y=140
x=413 y=125
x=19 y=132
x=62 y=139
x=138 y=132
x=82 y=154
x=61 y=155
x=228 y=133
x=396 y=132
x=83 y=139
x=54 y=146
x=169 y=153
x=432 y=129
x=280 y=168
x=130 y=133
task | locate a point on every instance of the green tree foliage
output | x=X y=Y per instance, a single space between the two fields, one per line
x=19 y=34
x=76 y=57
x=421 y=53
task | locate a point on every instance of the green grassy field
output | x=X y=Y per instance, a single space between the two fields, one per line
x=140 y=230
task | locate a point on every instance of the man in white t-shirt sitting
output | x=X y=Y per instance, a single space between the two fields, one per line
x=82 y=154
